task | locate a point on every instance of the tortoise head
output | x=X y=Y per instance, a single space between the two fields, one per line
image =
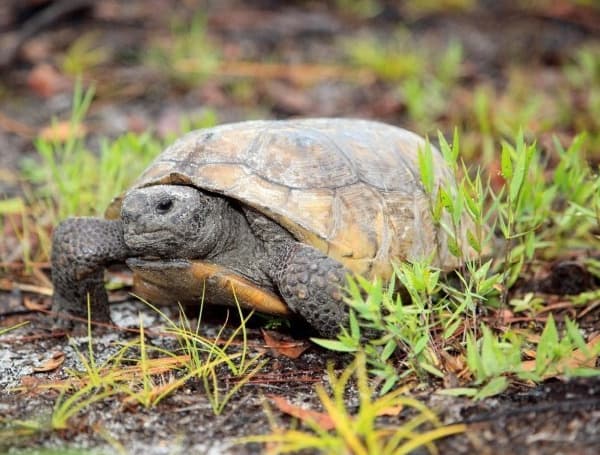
x=172 y=221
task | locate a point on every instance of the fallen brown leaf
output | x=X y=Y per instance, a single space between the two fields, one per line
x=320 y=418
x=391 y=411
x=52 y=363
x=14 y=126
x=285 y=346
x=289 y=98
x=30 y=383
x=36 y=50
x=46 y=81
x=578 y=359
x=61 y=131
x=33 y=305
x=497 y=180
x=452 y=363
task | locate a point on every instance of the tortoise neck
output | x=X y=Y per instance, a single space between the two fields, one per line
x=235 y=234
x=240 y=250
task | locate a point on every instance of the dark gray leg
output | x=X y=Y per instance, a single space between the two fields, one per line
x=311 y=283
x=81 y=249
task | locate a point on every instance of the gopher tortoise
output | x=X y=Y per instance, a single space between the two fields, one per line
x=270 y=214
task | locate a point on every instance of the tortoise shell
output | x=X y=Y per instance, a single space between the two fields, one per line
x=350 y=188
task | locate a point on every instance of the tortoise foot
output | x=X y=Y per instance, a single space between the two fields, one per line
x=81 y=249
x=312 y=286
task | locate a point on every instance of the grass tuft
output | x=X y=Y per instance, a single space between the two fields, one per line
x=363 y=430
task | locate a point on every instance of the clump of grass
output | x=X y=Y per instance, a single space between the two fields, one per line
x=416 y=331
x=141 y=374
x=359 y=8
x=423 y=79
x=211 y=359
x=429 y=7
x=361 y=431
x=493 y=359
x=187 y=55
x=83 y=55
x=570 y=101
x=393 y=61
x=72 y=179
x=78 y=181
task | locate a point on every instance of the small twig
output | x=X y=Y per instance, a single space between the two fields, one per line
x=41 y=290
x=14 y=126
x=518 y=319
x=588 y=309
x=275 y=378
x=557 y=306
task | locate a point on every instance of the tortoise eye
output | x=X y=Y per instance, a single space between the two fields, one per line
x=164 y=206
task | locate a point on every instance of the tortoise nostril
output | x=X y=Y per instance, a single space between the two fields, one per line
x=164 y=206
x=129 y=216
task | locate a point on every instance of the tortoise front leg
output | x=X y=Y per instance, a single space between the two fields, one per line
x=81 y=249
x=311 y=283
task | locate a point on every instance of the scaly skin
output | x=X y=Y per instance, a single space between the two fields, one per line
x=181 y=222
x=81 y=250
x=311 y=285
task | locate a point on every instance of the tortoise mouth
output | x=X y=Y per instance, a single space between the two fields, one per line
x=146 y=234
x=157 y=242
x=156 y=263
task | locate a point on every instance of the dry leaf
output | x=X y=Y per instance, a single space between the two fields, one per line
x=61 y=131
x=391 y=411
x=454 y=364
x=451 y=380
x=36 y=50
x=504 y=315
x=289 y=98
x=284 y=346
x=46 y=81
x=578 y=359
x=33 y=305
x=322 y=419
x=31 y=383
x=497 y=181
x=52 y=363
x=14 y=126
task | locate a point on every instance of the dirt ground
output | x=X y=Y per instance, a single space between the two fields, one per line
x=557 y=417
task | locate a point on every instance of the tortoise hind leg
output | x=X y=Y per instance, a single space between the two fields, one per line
x=311 y=283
